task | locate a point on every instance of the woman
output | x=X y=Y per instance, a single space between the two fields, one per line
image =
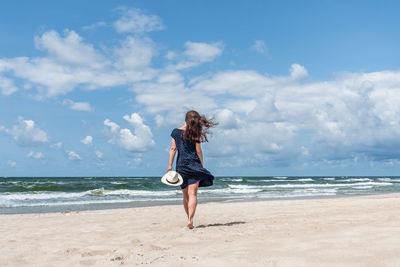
x=189 y=163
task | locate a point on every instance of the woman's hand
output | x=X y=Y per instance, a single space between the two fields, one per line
x=169 y=169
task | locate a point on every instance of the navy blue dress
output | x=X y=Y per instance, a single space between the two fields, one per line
x=188 y=163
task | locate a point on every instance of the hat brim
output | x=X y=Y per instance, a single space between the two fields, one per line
x=169 y=174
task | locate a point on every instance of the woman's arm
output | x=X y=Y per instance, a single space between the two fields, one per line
x=172 y=152
x=199 y=153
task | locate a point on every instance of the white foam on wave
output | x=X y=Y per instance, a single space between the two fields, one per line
x=280 y=177
x=139 y=192
x=362 y=187
x=394 y=180
x=227 y=191
x=297 y=195
x=231 y=190
x=274 y=180
x=327 y=185
x=245 y=191
x=88 y=202
x=40 y=196
x=329 y=179
x=356 y=180
x=242 y=186
x=231 y=179
x=315 y=190
x=310 y=185
x=304 y=180
x=119 y=183
x=73 y=195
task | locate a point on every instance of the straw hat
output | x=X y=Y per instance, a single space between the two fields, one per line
x=172 y=178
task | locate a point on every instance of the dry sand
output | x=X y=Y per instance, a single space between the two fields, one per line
x=352 y=231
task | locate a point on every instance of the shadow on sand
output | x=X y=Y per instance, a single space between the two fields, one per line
x=219 y=224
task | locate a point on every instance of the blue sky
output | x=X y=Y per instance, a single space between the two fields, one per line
x=298 y=87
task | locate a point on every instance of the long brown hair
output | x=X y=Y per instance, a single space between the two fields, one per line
x=197 y=127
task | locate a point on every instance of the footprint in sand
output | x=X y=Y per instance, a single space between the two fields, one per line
x=118 y=258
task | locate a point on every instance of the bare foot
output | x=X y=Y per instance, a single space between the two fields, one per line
x=190 y=225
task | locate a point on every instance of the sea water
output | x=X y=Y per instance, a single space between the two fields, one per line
x=49 y=194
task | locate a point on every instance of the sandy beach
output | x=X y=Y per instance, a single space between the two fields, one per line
x=350 y=231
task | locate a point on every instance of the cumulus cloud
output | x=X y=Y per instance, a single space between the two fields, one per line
x=134 y=20
x=70 y=63
x=87 y=140
x=35 y=155
x=79 y=106
x=298 y=72
x=202 y=52
x=282 y=119
x=197 y=53
x=70 y=50
x=259 y=46
x=25 y=133
x=73 y=156
x=226 y=119
x=133 y=59
x=138 y=141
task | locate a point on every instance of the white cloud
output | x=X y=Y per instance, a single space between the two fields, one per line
x=203 y=52
x=279 y=119
x=56 y=145
x=298 y=72
x=139 y=141
x=35 y=155
x=135 y=21
x=240 y=83
x=87 y=140
x=133 y=59
x=7 y=86
x=70 y=63
x=94 y=26
x=12 y=163
x=25 y=133
x=259 y=46
x=114 y=127
x=267 y=118
x=99 y=154
x=226 y=119
x=73 y=156
x=79 y=106
x=70 y=50
x=171 y=55
x=197 y=53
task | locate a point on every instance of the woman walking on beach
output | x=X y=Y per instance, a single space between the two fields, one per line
x=189 y=163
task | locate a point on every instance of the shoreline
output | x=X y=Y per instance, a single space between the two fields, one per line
x=310 y=232
x=102 y=206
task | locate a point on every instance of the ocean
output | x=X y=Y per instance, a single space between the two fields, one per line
x=62 y=194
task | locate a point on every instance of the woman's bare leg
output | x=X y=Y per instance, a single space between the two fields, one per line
x=186 y=200
x=192 y=203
